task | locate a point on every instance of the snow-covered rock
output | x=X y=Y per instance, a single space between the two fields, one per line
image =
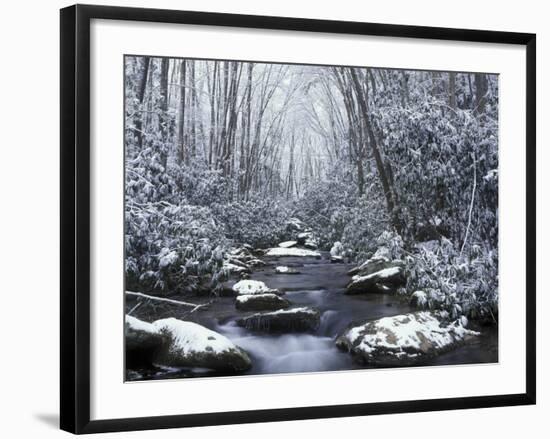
x=283 y=269
x=377 y=262
x=336 y=259
x=142 y=342
x=294 y=252
x=288 y=320
x=247 y=286
x=193 y=345
x=261 y=302
x=383 y=280
x=232 y=268
x=288 y=244
x=403 y=339
x=337 y=249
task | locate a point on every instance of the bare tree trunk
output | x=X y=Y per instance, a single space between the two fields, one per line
x=481 y=85
x=181 y=125
x=141 y=97
x=452 y=90
x=388 y=191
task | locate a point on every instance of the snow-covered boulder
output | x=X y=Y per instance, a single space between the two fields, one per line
x=404 y=339
x=247 y=286
x=283 y=269
x=233 y=268
x=288 y=320
x=336 y=259
x=242 y=256
x=142 y=342
x=288 y=244
x=261 y=302
x=382 y=281
x=377 y=262
x=337 y=249
x=292 y=252
x=193 y=345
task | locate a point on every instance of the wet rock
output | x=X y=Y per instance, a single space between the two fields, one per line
x=193 y=345
x=385 y=280
x=261 y=302
x=142 y=342
x=283 y=269
x=290 y=320
x=404 y=339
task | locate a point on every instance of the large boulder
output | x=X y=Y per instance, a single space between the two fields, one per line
x=142 y=343
x=404 y=339
x=247 y=286
x=377 y=262
x=261 y=302
x=293 y=252
x=193 y=345
x=382 y=281
x=289 y=320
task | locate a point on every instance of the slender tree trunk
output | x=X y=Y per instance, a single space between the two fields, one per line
x=141 y=97
x=388 y=191
x=181 y=124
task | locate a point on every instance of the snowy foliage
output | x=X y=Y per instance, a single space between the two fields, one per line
x=220 y=154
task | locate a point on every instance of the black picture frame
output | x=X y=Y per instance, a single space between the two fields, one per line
x=75 y=217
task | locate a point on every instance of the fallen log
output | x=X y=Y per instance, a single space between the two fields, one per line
x=195 y=306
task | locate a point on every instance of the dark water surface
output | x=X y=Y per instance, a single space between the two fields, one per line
x=321 y=285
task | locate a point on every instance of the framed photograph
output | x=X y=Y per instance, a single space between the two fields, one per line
x=268 y=218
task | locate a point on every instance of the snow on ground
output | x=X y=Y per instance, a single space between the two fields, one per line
x=188 y=337
x=247 y=286
x=300 y=252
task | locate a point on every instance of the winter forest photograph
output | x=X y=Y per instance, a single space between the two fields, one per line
x=293 y=218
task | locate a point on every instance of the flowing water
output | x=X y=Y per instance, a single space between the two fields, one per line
x=321 y=285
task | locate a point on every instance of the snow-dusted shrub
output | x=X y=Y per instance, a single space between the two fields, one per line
x=334 y=212
x=172 y=249
x=260 y=222
x=464 y=284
